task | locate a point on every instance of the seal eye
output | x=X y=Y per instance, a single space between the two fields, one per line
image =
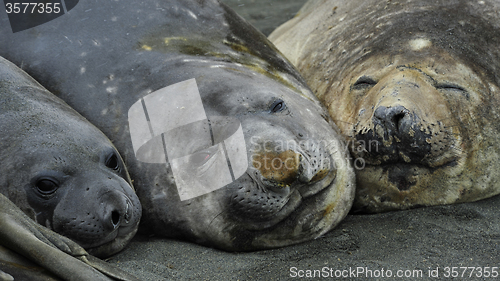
x=200 y=158
x=46 y=186
x=364 y=82
x=112 y=162
x=450 y=87
x=278 y=106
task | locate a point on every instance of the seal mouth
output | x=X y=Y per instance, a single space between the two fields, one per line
x=298 y=193
x=405 y=175
x=316 y=215
x=429 y=153
x=116 y=244
x=449 y=163
x=277 y=194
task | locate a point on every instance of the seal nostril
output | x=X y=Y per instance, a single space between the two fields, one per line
x=390 y=117
x=397 y=118
x=115 y=218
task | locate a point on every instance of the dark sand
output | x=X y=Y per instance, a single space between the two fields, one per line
x=464 y=235
x=408 y=242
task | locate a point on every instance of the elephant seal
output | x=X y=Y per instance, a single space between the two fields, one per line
x=414 y=86
x=60 y=169
x=128 y=66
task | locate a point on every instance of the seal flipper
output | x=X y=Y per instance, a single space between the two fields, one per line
x=52 y=251
x=5 y=277
x=108 y=269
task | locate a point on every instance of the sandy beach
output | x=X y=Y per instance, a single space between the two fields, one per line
x=412 y=243
x=433 y=243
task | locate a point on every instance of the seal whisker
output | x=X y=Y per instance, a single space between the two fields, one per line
x=257 y=182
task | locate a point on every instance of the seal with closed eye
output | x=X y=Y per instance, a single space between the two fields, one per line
x=414 y=86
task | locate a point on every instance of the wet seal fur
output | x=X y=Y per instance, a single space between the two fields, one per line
x=55 y=167
x=414 y=86
x=103 y=61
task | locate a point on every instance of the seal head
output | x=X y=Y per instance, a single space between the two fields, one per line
x=60 y=169
x=414 y=87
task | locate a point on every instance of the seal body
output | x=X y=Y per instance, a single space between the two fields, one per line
x=113 y=61
x=414 y=86
x=60 y=169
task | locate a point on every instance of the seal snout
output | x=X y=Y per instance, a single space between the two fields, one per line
x=116 y=211
x=393 y=118
x=282 y=177
x=278 y=167
x=398 y=135
x=101 y=215
x=289 y=167
x=306 y=166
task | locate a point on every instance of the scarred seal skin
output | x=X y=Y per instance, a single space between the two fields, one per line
x=60 y=169
x=105 y=58
x=413 y=85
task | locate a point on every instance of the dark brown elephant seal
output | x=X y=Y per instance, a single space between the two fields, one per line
x=414 y=86
x=225 y=143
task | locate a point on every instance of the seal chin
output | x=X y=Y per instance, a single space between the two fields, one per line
x=406 y=175
x=117 y=243
x=400 y=185
x=403 y=164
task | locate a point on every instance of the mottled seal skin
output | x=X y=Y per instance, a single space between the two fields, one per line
x=414 y=86
x=60 y=169
x=103 y=57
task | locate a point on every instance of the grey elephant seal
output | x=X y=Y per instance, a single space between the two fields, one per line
x=128 y=66
x=60 y=169
x=414 y=86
